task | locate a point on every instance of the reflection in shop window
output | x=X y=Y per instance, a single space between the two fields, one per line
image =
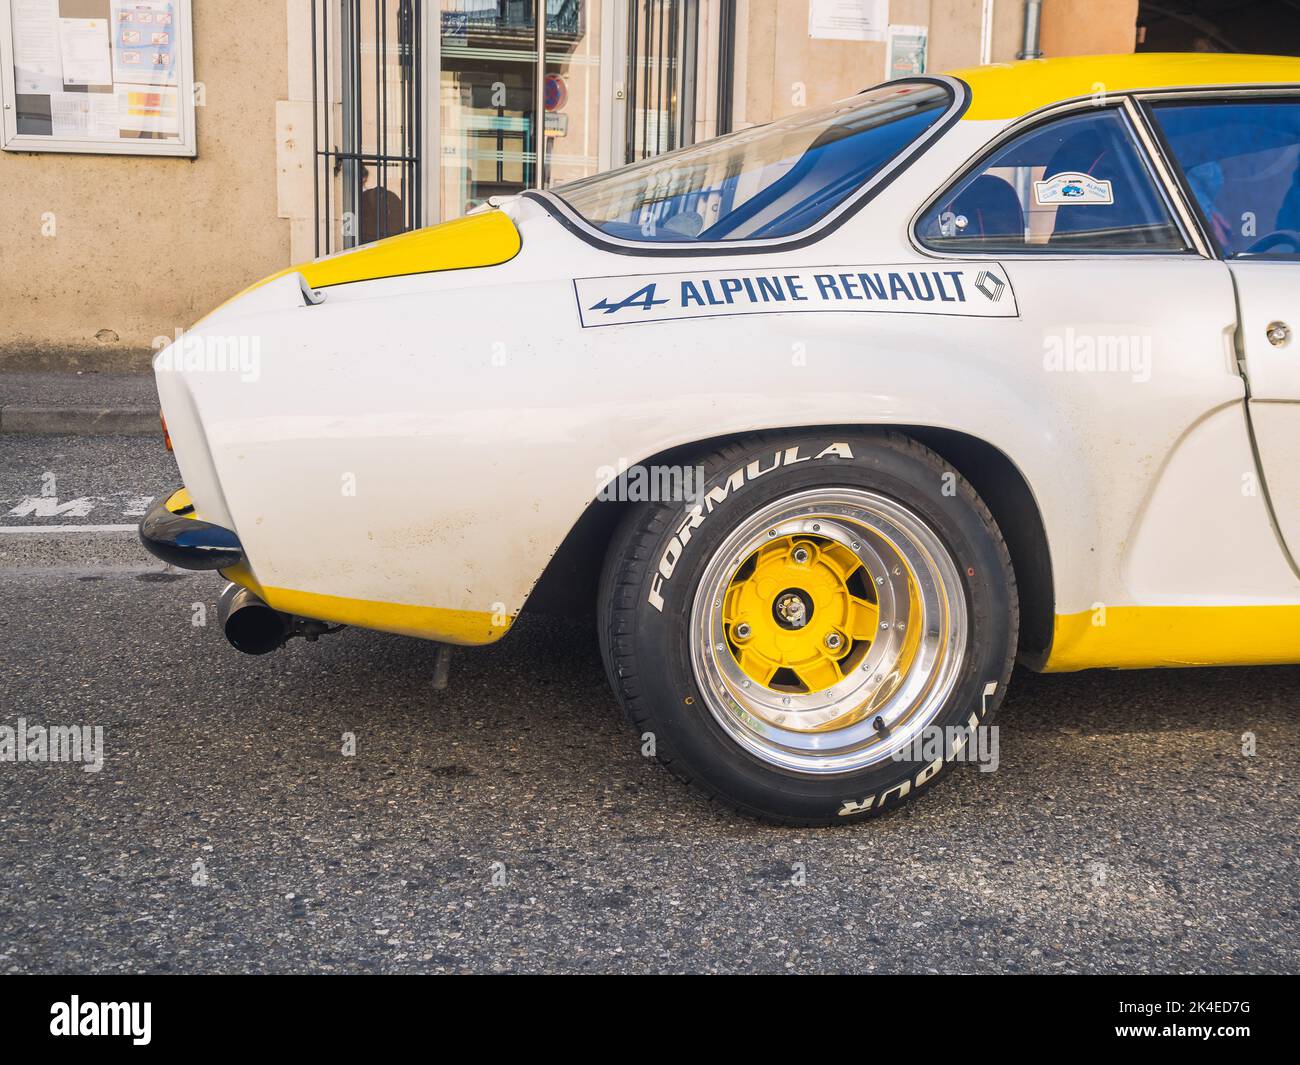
x=488 y=98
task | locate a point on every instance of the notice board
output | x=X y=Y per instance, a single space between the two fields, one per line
x=103 y=76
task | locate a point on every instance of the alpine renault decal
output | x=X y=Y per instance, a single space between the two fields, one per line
x=965 y=290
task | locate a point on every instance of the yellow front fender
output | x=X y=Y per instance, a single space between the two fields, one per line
x=486 y=239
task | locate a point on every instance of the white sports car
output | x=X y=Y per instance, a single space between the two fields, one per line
x=828 y=420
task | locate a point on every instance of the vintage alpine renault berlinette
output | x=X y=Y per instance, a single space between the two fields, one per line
x=958 y=369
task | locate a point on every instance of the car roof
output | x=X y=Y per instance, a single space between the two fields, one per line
x=1009 y=90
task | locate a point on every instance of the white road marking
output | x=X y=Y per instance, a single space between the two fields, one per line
x=127 y=504
x=67 y=528
x=50 y=507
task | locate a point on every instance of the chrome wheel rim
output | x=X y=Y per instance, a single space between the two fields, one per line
x=825 y=563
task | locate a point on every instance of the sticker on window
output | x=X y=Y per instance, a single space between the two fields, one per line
x=1070 y=187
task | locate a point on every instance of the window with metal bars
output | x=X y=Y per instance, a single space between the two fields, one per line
x=367 y=84
x=662 y=62
x=376 y=81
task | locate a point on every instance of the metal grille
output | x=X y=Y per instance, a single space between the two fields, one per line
x=726 y=65
x=662 y=60
x=367 y=119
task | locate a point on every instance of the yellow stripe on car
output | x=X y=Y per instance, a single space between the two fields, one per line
x=485 y=239
x=1009 y=90
x=467 y=628
x=1144 y=637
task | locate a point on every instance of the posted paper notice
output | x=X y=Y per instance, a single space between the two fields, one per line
x=848 y=20
x=37 y=67
x=83 y=47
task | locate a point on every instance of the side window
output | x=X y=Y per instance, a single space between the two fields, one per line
x=1242 y=164
x=1076 y=184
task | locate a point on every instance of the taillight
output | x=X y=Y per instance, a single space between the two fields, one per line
x=167 y=437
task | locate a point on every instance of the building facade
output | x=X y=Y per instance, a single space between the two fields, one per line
x=320 y=124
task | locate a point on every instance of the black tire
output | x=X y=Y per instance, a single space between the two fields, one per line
x=647 y=650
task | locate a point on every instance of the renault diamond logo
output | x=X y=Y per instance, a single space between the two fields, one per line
x=990 y=285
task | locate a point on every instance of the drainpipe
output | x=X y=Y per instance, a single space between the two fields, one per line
x=1033 y=20
x=986 y=33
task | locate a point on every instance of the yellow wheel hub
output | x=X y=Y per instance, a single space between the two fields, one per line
x=800 y=613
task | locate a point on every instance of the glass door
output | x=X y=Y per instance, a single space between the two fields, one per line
x=487 y=107
x=571 y=91
x=490 y=141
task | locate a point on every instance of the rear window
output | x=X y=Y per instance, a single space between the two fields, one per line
x=765 y=182
x=1076 y=184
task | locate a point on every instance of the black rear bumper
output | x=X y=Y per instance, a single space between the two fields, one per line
x=171 y=532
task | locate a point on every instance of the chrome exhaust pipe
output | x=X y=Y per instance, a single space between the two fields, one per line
x=256 y=629
x=249 y=624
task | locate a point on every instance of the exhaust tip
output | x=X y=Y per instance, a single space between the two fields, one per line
x=249 y=624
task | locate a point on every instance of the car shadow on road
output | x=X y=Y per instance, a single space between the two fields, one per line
x=1146 y=700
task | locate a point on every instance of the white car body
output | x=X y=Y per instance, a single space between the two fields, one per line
x=409 y=453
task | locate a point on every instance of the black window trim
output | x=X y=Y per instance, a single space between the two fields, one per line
x=1160 y=176
x=842 y=212
x=1148 y=101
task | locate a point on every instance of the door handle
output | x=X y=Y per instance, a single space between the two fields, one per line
x=1278 y=333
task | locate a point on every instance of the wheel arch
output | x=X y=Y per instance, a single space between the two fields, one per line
x=568 y=584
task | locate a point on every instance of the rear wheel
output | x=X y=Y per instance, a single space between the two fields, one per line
x=793 y=637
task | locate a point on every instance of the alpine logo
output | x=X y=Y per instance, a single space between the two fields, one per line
x=990 y=285
x=643 y=298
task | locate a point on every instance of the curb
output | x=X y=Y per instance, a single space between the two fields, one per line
x=81 y=421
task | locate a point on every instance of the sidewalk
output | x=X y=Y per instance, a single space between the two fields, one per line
x=51 y=402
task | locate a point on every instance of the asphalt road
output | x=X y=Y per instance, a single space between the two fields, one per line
x=511 y=824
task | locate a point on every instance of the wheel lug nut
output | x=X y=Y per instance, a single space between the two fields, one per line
x=743 y=631
x=833 y=640
x=800 y=555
